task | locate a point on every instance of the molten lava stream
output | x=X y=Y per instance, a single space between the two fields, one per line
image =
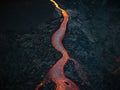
x=56 y=73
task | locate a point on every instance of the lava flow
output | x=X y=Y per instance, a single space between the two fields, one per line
x=56 y=73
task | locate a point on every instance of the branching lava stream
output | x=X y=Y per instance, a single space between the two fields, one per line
x=56 y=73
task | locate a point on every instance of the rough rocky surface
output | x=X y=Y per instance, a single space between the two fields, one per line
x=92 y=38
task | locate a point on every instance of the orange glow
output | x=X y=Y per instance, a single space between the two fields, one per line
x=56 y=73
x=57 y=6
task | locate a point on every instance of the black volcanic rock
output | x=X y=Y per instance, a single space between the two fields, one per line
x=92 y=38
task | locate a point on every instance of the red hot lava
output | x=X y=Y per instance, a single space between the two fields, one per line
x=56 y=73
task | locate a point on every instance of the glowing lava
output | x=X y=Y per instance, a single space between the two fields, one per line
x=56 y=73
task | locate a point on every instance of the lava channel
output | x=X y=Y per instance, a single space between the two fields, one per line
x=56 y=73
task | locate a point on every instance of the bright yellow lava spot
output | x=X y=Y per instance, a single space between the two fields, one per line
x=57 y=6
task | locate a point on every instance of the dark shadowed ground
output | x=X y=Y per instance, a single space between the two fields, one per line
x=92 y=38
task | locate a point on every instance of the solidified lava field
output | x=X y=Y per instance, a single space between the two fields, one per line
x=92 y=38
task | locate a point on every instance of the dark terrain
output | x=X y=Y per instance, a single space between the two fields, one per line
x=92 y=38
